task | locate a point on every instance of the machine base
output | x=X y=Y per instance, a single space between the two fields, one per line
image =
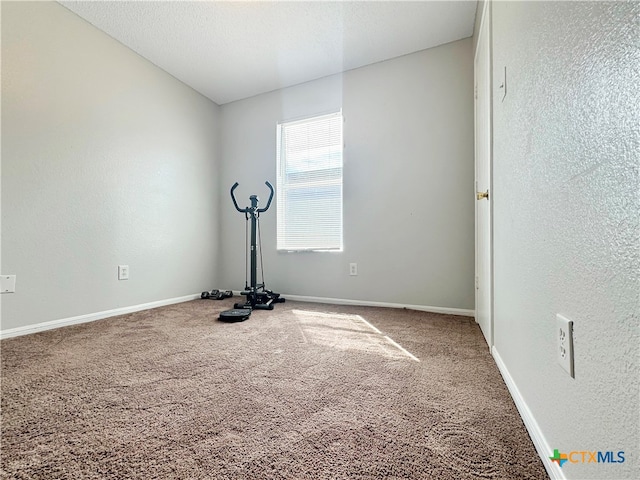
x=259 y=300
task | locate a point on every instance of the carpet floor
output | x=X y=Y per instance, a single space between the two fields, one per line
x=306 y=391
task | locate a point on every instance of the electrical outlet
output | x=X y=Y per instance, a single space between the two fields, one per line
x=123 y=272
x=353 y=269
x=564 y=329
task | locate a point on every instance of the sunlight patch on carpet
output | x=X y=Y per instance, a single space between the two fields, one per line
x=348 y=332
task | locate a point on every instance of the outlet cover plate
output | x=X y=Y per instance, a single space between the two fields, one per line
x=564 y=332
x=123 y=272
x=7 y=284
x=353 y=269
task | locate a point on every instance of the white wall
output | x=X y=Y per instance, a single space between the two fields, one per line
x=476 y=24
x=408 y=181
x=106 y=160
x=567 y=212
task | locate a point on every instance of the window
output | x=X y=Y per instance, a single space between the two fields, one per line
x=309 y=182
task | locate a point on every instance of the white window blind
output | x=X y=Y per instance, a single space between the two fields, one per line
x=309 y=184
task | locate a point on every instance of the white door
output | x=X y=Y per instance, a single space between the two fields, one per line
x=482 y=68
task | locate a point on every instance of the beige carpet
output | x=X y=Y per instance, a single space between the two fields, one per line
x=306 y=391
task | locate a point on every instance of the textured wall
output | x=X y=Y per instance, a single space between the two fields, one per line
x=567 y=208
x=106 y=160
x=408 y=181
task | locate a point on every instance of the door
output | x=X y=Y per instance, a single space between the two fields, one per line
x=483 y=150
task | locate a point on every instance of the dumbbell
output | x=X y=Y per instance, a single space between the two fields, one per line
x=211 y=294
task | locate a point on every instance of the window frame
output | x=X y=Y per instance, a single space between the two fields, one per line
x=282 y=186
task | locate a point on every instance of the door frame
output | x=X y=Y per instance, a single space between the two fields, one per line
x=484 y=35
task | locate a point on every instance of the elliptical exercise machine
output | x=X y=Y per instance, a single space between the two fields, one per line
x=258 y=297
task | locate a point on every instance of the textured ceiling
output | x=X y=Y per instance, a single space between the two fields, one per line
x=232 y=50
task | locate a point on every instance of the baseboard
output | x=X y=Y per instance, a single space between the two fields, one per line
x=40 y=327
x=367 y=303
x=539 y=440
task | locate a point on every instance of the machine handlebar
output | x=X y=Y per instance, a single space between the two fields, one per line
x=248 y=209
x=233 y=197
x=261 y=210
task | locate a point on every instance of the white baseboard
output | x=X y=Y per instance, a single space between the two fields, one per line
x=40 y=327
x=367 y=303
x=539 y=440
